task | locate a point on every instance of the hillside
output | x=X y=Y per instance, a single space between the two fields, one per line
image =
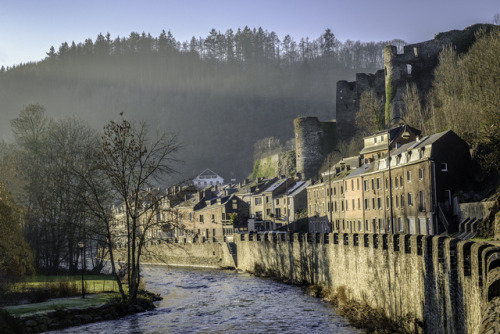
x=220 y=94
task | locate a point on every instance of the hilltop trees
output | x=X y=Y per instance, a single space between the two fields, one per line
x=210 y=87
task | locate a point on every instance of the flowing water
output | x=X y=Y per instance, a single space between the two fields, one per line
x=197 y=300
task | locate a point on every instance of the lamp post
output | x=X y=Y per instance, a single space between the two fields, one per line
x=82 y=245
x=405 y=135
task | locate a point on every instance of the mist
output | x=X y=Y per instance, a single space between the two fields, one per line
x=220 y=94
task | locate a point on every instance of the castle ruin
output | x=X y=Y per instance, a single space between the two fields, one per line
x=415 y=65
x=314 y=140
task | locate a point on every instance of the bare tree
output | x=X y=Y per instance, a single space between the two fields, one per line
x=412 y=111
x=370 y=117
x=496 y=19
x=134 y=164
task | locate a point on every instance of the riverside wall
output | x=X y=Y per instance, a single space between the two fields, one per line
x=196 y=252
x=443 y=285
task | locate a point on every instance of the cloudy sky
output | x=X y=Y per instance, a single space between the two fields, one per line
x=29 y=27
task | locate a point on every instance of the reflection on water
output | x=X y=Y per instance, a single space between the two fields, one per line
x=214 y=301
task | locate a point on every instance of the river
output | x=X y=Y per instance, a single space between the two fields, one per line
x=200 y=300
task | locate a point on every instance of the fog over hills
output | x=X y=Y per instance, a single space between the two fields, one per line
x=220 y=93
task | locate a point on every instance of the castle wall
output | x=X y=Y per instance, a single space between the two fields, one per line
x=415 y=65
x=348 y=98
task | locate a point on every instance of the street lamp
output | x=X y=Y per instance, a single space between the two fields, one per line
x=404 y=135
x=81 y=245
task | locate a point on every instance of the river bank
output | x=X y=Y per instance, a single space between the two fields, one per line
x=70 y=317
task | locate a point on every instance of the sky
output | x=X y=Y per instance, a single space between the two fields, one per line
x=28 y=28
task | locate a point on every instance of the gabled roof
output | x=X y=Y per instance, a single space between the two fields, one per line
x=428 y=140
x=207 y=172
x=298 y=187
x=275 y=185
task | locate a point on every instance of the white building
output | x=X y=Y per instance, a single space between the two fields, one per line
x=207 y=178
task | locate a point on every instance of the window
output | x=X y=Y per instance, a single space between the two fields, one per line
x=365 y=185
x=357 y=181
x=401 y=181
x=352 y=184
x=402 y=201
x=422 y=206
x=378 y=183
x=387 y=204
x=360 y=226
x=335 y=206
x=379 y=203
x=367 y=204
x=397 y=201
x=408 y=176
x=258 y=214
x=373 y=203
x=396 y=182
x=400 y=225
x=341 y=190
x=353 y=206
x=201 y=218
x=346 y=205
x=420 y=173
x=267 y=199
x=375 y=140
x=373 y=184
x=258 y=201
x=444 y=167
x=410 y=199
x=277 y=201
x=268 y=211
x=447 y=194
x=359 y=204
x=342 y=205
x=335 y=191
x=386 y=183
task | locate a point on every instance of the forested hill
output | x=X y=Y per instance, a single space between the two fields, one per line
x=220 y=93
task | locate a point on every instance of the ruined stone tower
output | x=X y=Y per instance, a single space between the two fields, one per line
x=313 y=141
x=414 y=65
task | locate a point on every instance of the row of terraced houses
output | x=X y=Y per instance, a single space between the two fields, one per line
x=412 y=192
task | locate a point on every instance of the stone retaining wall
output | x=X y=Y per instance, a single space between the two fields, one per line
x=186 y=252
x=443 y=284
